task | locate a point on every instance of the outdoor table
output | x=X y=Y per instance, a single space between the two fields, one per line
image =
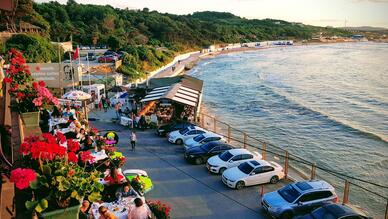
x=118 y=208
x=101 y=155
x=55 y=122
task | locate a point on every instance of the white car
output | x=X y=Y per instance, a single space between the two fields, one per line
x=202 y=139
x=179 y=136
x=252 y=173
x=231 y=158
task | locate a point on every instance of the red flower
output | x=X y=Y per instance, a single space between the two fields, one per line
x=72 y=145
x=7 y=80
x=22 y=177
x=61 y=137
x=49 y=138
x=42 y=84
x=70 y=173
x=72 y=157
x=20 y=95
x=25 y=148
x=35 y=84
x=86 y=156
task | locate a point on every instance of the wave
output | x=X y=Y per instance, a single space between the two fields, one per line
x=335 y=120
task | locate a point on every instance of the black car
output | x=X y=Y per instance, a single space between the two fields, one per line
x=164 y=129
x=200 y=154
x=333 y=211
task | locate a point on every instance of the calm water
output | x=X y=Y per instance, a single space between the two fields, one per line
x=325 y=103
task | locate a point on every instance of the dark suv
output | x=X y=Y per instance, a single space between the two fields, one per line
x=164 y=129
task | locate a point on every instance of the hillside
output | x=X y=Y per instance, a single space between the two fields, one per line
x=152 y=38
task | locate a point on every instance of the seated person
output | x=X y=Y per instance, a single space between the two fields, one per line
x=114 y=177
x=126 y=191
x=139 y=210
x=87 y=143
x=127 y=112
x=105 y=214
x=81 y=134
x=84 y=210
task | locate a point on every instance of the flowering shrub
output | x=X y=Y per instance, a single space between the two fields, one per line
x=52 y=174
x=28 y=98
x=160 y=210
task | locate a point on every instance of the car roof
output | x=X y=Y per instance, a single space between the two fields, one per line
x=239 y=151
x=305 y=186
x=255 y=163
x=210 y=134
x=339 y=210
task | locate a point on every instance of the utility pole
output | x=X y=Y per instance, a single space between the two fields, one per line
x=60 y=67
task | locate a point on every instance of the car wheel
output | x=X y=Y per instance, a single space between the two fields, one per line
x=221 y=171
x=274 y=179
x=198 y=161
x=179 y=141
x=286 y=215
x=240 y=185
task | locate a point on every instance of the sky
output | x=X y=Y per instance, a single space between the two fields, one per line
x=316 y=12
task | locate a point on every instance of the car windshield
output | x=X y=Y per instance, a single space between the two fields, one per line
x=289 y=193
x=322 y=213
x=225 y=156
x=183 y=131
x=245 y=168
x=199 y=138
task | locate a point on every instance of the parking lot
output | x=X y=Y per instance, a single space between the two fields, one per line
x=190 y=190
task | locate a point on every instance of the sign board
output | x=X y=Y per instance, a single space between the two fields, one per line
x=55 y=75
x=119 y=79
x=65 y=102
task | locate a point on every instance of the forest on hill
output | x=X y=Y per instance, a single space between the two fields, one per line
x=150 y=38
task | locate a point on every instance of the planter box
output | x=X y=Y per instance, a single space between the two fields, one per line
x=66 y=213
x=30 y=119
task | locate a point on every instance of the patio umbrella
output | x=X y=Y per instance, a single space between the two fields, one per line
x=76 y=95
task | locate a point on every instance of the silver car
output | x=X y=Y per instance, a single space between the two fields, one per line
x=298 y=198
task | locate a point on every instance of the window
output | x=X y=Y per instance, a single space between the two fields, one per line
x=225 y=156
x=245 y=168
x=207 y=140
x=198 y=138
x=315 y=196
x=216 y=138
x=183 y=131
x=237 y=158
x=247 y=156
x=200 y=132
x=215 y=149
x=225 y=147
x=289 y=193
x=267 y=169
x=258 y=170
x=192 y=132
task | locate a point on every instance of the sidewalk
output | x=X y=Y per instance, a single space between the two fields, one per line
x=189 y=189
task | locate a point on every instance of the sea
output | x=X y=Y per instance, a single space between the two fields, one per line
x=327 y=103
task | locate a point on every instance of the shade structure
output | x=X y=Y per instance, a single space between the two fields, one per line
x=116 y=89
x=76 y=95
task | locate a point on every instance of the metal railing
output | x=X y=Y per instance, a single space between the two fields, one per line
x=361 y=193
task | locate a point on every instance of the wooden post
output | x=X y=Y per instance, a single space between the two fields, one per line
x=202 y=120
x=245 y=140
x=313 y=170
x=286 y=165
x=345 y=200
x=264 y=151
x=215 y=124
x=229 y=133
x=386 y=211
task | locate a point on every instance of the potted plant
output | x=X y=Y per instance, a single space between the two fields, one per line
x=27 y=98
x=159 y=210
x=51 y=176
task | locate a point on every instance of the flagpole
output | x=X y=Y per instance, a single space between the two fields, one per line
x=90 y=88
x=71 y=70
x=79 y=64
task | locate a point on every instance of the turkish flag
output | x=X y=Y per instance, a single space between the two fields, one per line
x=76 y=54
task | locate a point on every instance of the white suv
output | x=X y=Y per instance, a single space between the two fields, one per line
x=230 y=158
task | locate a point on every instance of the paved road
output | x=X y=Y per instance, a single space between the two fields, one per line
x=189 y=189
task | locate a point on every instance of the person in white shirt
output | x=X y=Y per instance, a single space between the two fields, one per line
x=139 y=210
x=133 y=140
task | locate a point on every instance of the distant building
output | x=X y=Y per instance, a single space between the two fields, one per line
x=66 y=46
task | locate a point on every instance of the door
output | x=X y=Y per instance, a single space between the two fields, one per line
x=254 y=177
x=266 y=174
x=308 y=202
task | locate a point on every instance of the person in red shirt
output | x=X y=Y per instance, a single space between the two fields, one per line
x=114 y=177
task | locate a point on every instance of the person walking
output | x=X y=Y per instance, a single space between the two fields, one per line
x=133 y=140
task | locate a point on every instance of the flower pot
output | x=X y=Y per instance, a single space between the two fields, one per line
x=66 y=213
x=30 y=119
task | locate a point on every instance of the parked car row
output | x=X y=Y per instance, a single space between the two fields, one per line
x=110 y=56
x=240 y=168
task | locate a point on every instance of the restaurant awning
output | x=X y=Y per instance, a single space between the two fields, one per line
x=176 y=92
